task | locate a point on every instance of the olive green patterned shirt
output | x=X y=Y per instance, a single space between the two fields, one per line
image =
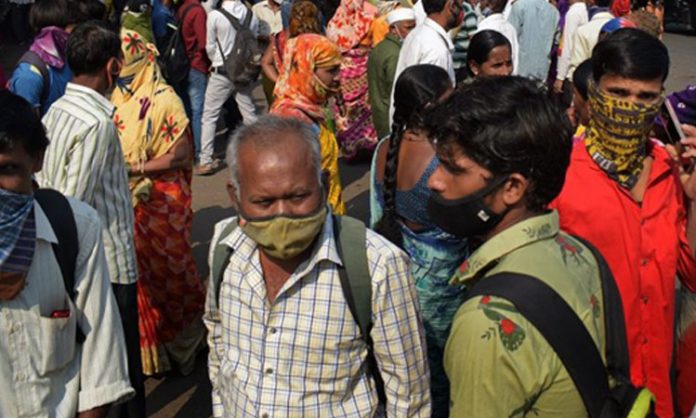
x=498 y=364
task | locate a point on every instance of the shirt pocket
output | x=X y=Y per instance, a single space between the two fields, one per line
x=58 y=334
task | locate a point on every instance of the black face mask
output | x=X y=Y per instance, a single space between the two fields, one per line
x=467 y=217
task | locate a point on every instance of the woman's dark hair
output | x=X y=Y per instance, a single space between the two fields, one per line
x=86 y=10
x=630 y=53
x=91 y=46
x=417 y=87
x=507 y=125
x=481 y=46
x=46 y=13
x=582 y=76
x=20 y=125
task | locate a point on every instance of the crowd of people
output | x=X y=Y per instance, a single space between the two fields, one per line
x=531 y=243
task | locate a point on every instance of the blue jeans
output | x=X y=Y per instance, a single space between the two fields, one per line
x=197 y=82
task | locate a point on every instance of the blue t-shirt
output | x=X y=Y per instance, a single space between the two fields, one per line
x=28 y=83
x=161 y=17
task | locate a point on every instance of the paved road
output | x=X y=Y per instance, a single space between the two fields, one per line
x=189 y=397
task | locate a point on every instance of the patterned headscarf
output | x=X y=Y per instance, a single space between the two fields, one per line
x=298 y=91
x=617 y=134
x=50 y=45
x=351 y=23
x=149 y=115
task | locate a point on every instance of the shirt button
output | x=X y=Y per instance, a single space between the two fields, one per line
x=273 y=330
x=644 y=262
x=645 y=299
x=269 y=371
x=264 y=415
x=20 y=376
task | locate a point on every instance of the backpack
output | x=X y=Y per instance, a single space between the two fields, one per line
x=174 y=61
x=243 y=64
x=62 y=220
x=33 y=59
x=573 y=344
x=354 y=275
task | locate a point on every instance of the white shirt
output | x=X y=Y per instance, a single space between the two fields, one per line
x=426 y=44
x=270 y=22
x=302 y=355
x=85 y=160
x=576 y=17
x=419 y=11
x=585 y=39
x=498 y=23
x=220 y=30
x=44 y=372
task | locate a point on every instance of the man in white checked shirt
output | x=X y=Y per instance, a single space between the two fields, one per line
x=283 y=342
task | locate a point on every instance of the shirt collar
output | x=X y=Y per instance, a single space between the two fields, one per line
x=98 y=99
x=523 y=233
x=602 y=14
x=44 y=231
x=440 y=31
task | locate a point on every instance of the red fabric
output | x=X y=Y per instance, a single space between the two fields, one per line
x=645 y=246
x=620 y=7
x=170 y=294
x=193 y=31
x=686 y=371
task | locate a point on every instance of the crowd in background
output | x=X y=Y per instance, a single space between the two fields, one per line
x=502 y=134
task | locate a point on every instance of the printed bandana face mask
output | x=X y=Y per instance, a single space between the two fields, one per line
x=617 y=134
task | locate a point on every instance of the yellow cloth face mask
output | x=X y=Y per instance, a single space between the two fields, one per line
x=285 y=237
x=617 y=134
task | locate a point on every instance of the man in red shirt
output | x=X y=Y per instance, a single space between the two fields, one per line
x=632 y=198
x=192 y=17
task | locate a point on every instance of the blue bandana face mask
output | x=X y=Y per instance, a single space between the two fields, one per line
x=14 y=210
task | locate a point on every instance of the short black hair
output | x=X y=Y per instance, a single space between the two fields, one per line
x=508 y=125
x=433 y=6
x=603 y=3
x=86 y=10
x=91 y=46
x=582 y=76
x=630 y=53
x=44 y=13
x=20 y=125
x=497 y=6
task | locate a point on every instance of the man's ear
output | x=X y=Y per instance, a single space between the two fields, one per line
x=232 y=192
x=515 y=189
x=325 y=175
x=38 y=161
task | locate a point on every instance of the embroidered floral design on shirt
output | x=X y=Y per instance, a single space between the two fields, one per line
x=511 y=335
x=120 y=123
x=570 y=249
x=133 y=43
x=169 y=129
x=595 y=306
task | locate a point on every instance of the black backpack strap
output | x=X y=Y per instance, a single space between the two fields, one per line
x=356 y=283
x=33 y=59
x=233 y=20
x=221 y=259
x=62 y=220
x=563 y=330
x=618 y=363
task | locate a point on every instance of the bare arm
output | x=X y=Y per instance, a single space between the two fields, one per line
x=99 y=412
x=268 y=64
x=178 y=156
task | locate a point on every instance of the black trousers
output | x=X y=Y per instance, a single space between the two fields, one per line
x=127 y=300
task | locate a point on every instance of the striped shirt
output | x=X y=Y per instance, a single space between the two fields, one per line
x=44 y=372
x=84 y=160
x=303 y=354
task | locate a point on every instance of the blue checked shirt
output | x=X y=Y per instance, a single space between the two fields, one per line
x=303 y=355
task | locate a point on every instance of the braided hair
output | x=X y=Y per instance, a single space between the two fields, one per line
x=416 y=87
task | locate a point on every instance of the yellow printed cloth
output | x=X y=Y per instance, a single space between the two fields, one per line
x=150 y=117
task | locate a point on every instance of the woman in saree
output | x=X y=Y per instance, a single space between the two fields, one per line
x=304 y=18
x=402 y=164
x=158 y=148
x=352 y=29
x=309 y=77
